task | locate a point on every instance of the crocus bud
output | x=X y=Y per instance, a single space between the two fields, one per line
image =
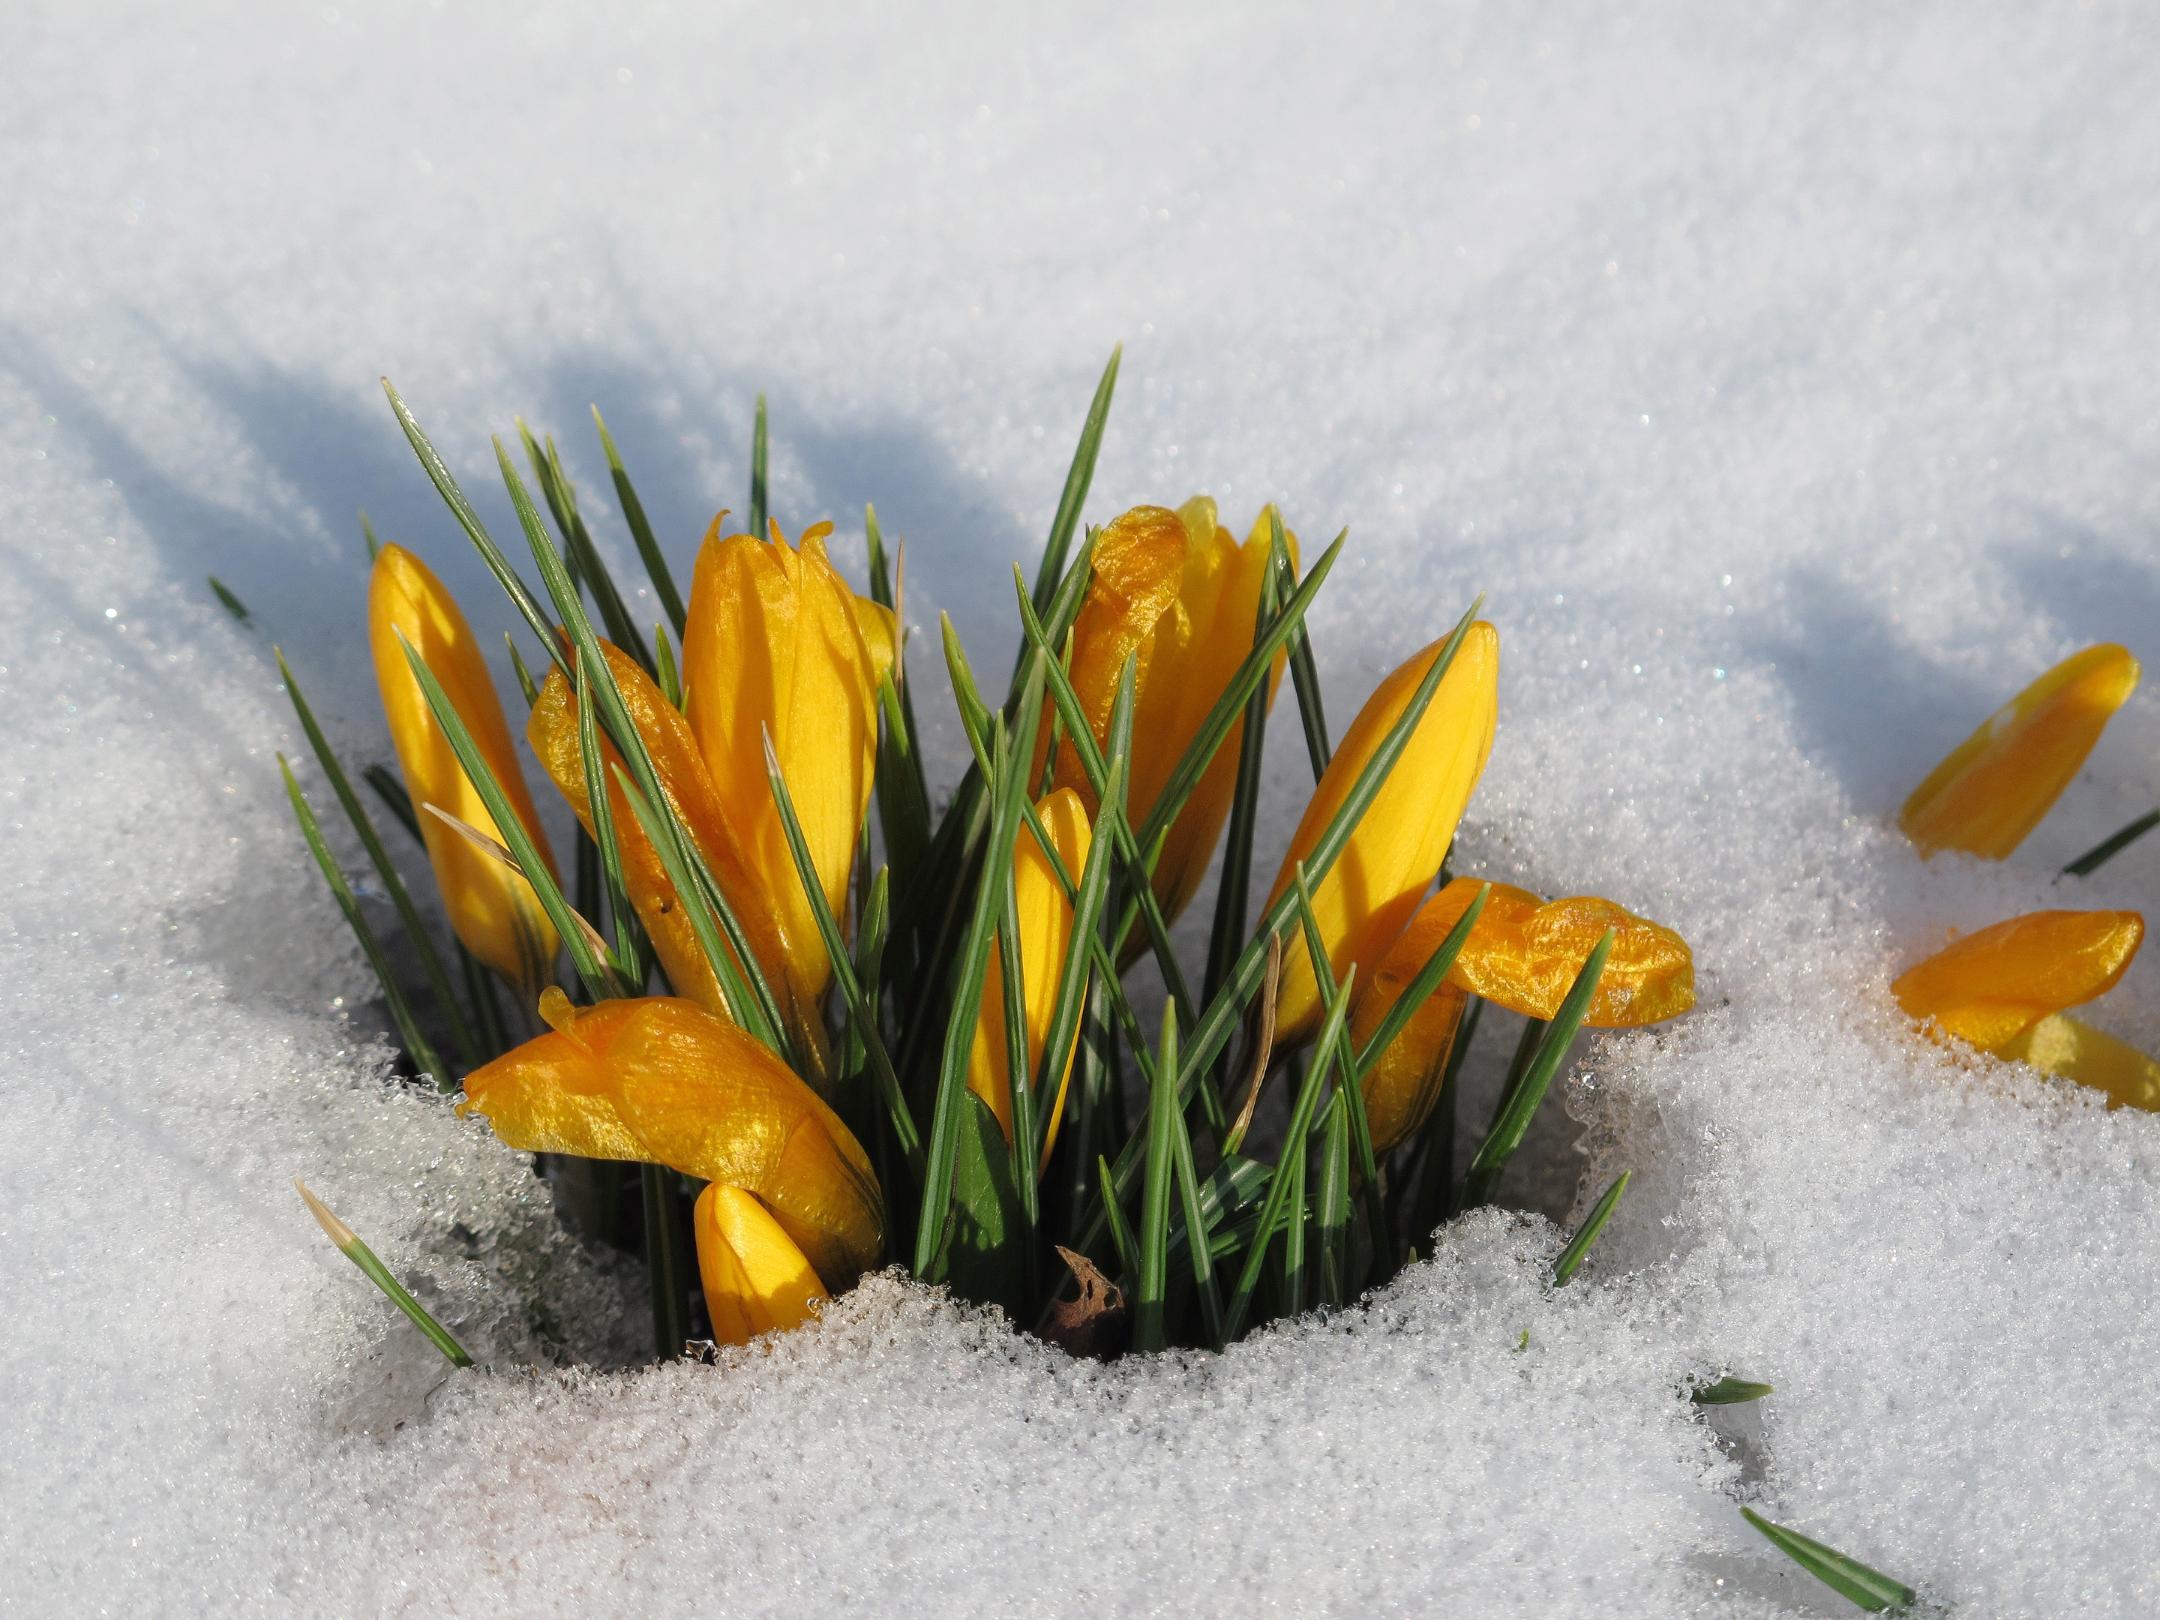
x=492 y=908
x=1992 y=986
x=776 y=643
x=1174 y=590
x=688 y=787
x=1524 y=953
x=756 y=1279
x=1368 y=896
x=660 y=1080
x=1997 y=784
x=1046 y=934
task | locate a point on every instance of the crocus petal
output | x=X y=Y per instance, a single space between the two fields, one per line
x=1997 y=784
x=492 y=909
x=1138 y=561
x=1404 y=1081
x=1369 y=894
x=2062 y=1045
x=756 y=1279
x=774 y=644
x=552 y=731
x=1174 y=590
x=660 y=1080
x=1046 y=931
x=1990 y=987
x=1525 y=952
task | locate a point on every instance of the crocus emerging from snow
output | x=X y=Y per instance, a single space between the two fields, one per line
x=1990 y=987
x=659 y=1080
x=1177 y=592
x=1996 y=785
x=492 y=908
x=1046 y=930
x=756 y=1279
x=1368 y=896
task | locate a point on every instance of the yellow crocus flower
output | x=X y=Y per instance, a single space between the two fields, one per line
x=1046 y=931
x=492 y=909
x=1990 y=987
x=1524 y=954
x=2066 y=1046
x=1404 y=1081
x=552 y=731
x=1177 y=592
x=1368 y=896
x=1996 y=785
x=659 y=1080
x=756 y=1280
x=776 y=643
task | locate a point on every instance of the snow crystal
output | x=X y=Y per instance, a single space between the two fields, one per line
x=1783 y=379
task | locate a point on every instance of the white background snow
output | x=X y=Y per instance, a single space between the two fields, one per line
x=1786 y=376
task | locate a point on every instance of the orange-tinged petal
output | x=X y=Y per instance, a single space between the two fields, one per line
x=756 y=1279
x=775 y=644
x=1525 y=952
x=1046 y=930
x=1990 y=987
x=1997 y=784
x=493 y=910
x=660 y=1080
x=1404 y=1081
x=552 y=730
x=2062 y=1045
x=1369 y=894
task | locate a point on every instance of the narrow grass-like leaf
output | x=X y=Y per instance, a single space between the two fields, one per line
x=231 y=603
x=1578 y=1249
x=1304 y=674
x=2101 y=853
x=641 y=529
x=431 y=962
x=349 y=1245
x=1852 y=1580
x=1332 y=1200
x=1421 y=988
x=394 y=797
x=1293 y=1149
x=528 y=688
x=1009 y=780
x=1295 y=1289
x=1019 y=1073
x=1051 y=570
x=1121 y=1237
x=1233 y=890
x=598 y=977
x=1163 y=1117
x=468 y=519
x=607 y=841
x=757 y=472
x=1357 y=1124
x=423 y=1054
x=667 y=671
x=1521 y=1107
x=1435 y=1191
x=1730 y=1392
x=862 y=1010
x=367 y=536
x=1071 y=998
x=1196 y=1230
x=561 y=497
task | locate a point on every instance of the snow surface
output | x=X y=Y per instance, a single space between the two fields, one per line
x=1786 y=376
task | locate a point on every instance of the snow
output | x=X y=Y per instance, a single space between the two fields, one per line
x=1785 y=379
